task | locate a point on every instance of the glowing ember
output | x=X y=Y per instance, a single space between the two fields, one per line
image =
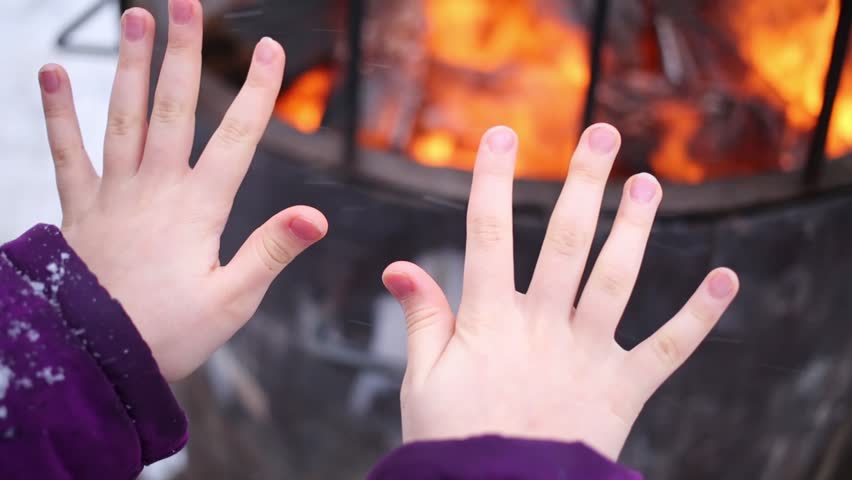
x=672 y=159
x=474 y=64
x=303 y=104
x=434 y=148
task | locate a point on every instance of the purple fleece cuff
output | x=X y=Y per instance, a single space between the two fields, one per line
x=494 y=457
x=107 y=334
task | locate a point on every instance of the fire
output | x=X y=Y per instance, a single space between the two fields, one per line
x=435 y=148
x=672 y=158
x=788 y=44
x=501 y=62
x=303 y=104
x=474 y=64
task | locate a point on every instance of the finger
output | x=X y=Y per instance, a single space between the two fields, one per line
x=227 y=157
x=655 y=359
x=267 y=251
x=428 y=315
x=612 y=279
x=565 y=250
x=127 y=123
x=488 y=265
x=172 y=125
x=76 y=179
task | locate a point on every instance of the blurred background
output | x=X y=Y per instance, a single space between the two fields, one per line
x=29 y=40
x=743 y=109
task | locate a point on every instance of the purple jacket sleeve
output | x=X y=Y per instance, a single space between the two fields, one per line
x=80 y=394
x=493 y=458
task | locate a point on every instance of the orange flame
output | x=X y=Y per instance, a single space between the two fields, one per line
x=303 y=104
x=788 y=44
x=501 y=62
x=512 y=62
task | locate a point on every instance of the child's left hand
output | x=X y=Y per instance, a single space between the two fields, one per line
x=150 y=227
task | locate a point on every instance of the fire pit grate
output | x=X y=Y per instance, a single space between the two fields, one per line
x=391 y=172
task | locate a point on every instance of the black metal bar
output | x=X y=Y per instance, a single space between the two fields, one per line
x=595 y=46
x=63 y=41
x=816 y=151
x=357 y=11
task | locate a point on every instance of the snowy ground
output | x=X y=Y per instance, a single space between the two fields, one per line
x=28 y=33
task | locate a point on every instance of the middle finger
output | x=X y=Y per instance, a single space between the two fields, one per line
x=172 y=126
x=562 y=260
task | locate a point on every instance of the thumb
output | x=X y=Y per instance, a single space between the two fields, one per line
x=268 y=250
x=428 y=316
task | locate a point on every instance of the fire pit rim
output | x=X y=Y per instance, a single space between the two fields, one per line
x=398 y=175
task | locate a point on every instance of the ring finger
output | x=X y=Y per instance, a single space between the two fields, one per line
x=172 y=126
x=612 y=279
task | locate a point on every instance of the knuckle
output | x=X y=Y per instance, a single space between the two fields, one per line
x=666 y=349
x=63 y=155
x=274 y=252
x=255 y=81
x=235 y=132
x=55 y=110
x=613 y=282
x=488 y=230
x=568 y=240
x=167 y=110
x=638 y=221
x=121 y=125
x=129 y=63
x=180 y=45
x=701 y=314
x=583 y=172
x=419 y=317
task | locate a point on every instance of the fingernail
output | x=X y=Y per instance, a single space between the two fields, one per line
x=49 y=80
x=721 y=285
x=500 y=140
x=182 y=11
x=305 y=230
x=266 y=51
x=643 y=188
x=134 y=26
x=399 y=285
x=602 y=140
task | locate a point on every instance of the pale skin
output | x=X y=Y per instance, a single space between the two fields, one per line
x=530 y=364
x=149 y=228
x=525 y=365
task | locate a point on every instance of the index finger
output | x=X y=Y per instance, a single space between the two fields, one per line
x=227 y=157
x=488 y=264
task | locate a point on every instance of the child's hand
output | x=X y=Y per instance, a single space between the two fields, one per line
x=530 y=365
x=150 y=228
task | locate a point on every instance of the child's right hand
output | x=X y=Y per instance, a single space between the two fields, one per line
x=531 y=365
x=150 y=228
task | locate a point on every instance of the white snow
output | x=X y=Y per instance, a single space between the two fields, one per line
x=18 y=327
x=37 y=287
x=24 y=383
x=6 y=375
x=51 y=377
x=27 y=185
x=3 y=412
